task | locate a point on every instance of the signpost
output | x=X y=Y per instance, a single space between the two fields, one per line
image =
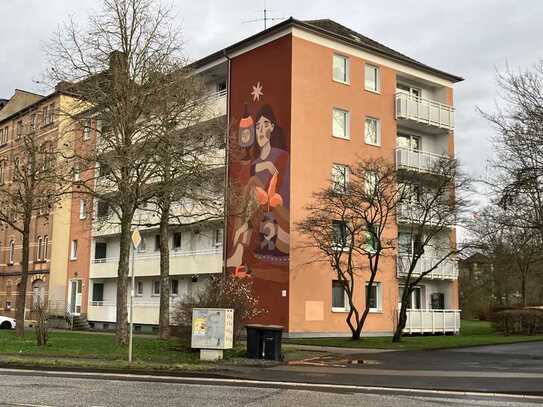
x=136 y=241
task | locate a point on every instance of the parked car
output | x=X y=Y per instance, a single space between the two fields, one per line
x=7 y=323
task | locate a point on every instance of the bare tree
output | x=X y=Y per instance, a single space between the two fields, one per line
x=519 y=147
x=189 y=154
x=32 y=185
x=117 y=65
x=348 y=223
x=429 y=211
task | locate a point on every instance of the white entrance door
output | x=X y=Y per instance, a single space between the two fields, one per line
x=76 y=294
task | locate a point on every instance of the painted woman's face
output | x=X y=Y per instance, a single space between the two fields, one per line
x=264 y=129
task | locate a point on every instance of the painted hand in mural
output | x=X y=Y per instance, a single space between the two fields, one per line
x=271 y=198
x=266 y=165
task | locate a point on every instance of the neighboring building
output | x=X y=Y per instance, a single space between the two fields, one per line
x=27 y=112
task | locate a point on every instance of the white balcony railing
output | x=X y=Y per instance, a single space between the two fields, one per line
x=421 y=161
x=217 y=104
x=446 y=270
x=156 y=255
x=207 y=261
x=432 y=321
x=145 y=312
x=429 y=112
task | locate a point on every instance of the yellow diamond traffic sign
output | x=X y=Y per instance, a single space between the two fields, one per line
x=136 y=238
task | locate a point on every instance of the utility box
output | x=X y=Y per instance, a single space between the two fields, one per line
x=212 y=331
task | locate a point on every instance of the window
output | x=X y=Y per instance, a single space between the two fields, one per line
x=86 y=129
x=141 y=247
x=11 y=253
x=408 y=141
x=157 y=243
x=77 y=173
x=73 y=250
x=51 y=113
x=340 y=124
x=45 y=115
x=45 y=247
x=33 y=122
x=217 y=237
x=371 y=183
x=437 y=300
x=340 y=69
x=339 y=230
x=177 y=240
x=82 y=209
x=2 y=171
x=139 y=288
x=156 y=287
x=221 y=87
x=4 y=136
x=19 y=129
x=339 y=297
x=373 y=296
x=408 y=243
x=100 y=250
x=102 y=209
x=415 y=299
x=39 y=248
x=340 y=178
x=98 y=292
x=174 y=287
x=371 y=79
x=370 y=244
x=413 y=92
x=372 y=131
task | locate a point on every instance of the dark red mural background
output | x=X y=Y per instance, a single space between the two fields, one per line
x=258 y=242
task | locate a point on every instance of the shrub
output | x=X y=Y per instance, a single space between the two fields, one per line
x=222 y=291
x=519 y=322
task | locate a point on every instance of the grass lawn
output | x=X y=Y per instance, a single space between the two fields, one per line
x=99 y=350
x=472 y=333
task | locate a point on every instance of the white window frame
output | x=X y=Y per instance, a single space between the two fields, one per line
x=346 y=306
x=39 y=252
x=377 y=78
x=347 y=78
x=370 y=182
x=11 y=253
x=82 y=209
x=378 y=131
x=217 y=237
x=340 y=171
x=172 y=294
x=153 y=291
x=139 y=288
x=347 y=126
x=87 y=130
x=45 y=248
x=73 y=250
x=378 y=293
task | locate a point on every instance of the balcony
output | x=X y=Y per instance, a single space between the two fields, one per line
x=416 y=160
x=217 y=105
x=447 y=270
x=145 y=312
x=423 y=111
x=147 y=265
x=420 y=321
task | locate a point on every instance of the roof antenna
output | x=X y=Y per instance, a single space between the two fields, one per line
x=265 y=17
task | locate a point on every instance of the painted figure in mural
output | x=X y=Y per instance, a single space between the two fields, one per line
x=265 y=224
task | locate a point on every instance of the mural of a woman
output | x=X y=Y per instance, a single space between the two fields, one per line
x=265 y=228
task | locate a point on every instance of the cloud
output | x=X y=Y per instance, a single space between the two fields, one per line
x=464 y=37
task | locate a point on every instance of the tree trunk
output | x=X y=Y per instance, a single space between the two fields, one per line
x=122 y=280
x=523 y=288
x=164 y=314
x=21 y=294
x=402 y=318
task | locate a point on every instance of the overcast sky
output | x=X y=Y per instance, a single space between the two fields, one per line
x=464 y=37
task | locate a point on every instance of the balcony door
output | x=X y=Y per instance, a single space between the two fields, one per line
x=76 y=295
x=409 y=142
x=415 y=299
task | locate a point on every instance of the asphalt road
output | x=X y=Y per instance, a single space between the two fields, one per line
x=32 y=390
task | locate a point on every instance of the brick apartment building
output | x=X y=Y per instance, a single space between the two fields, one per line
x=300 y=100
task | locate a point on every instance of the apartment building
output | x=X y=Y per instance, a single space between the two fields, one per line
x=300 y=101
x=307 y=97
x=36 y=115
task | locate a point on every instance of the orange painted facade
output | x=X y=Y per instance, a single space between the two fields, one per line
x=306 y=66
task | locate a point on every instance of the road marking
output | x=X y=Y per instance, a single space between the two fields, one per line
x=210 y=380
